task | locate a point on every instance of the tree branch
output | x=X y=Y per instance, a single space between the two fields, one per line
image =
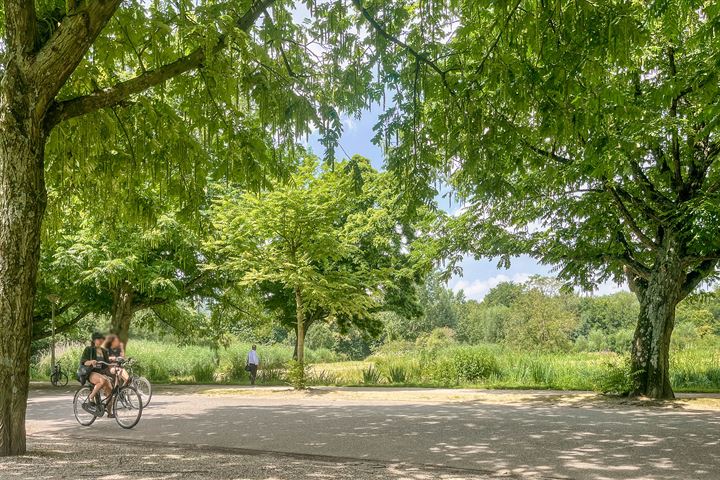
x=20 y=26
x=628 y=258
x=675 y=141
x=701 y=272
x=419 y=56
x=62 y=53
x=548 y=154
x=647 y=241
x=120 y=92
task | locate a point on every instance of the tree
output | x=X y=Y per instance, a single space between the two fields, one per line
x=584 y=135
x=122 y=268
x=71 y=70
x=437 y=307
x=538 y=321
x=327 y=245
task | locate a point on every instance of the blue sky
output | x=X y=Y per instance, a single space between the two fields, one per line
x=478 y=276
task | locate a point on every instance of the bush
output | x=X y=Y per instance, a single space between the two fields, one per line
x=397 y=374
x=203 y=373
x=439 y=338
x=615 y=377
x=296 y=375
x=370 y=376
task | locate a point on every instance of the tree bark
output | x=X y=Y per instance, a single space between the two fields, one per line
x=122 y=312
x=308 y=322
x=22 y=204
x=658 y=296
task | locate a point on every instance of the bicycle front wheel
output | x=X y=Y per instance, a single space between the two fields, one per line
x=62 y=380
x=127 y=407
x=83 y=407
x=144 y=388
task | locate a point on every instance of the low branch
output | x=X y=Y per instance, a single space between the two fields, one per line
x=118 y=93
x=62 y=328
x=697 y=275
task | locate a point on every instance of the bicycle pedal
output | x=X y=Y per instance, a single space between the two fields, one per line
x=90 y=408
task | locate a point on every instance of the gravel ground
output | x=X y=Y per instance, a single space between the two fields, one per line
x=59 y=457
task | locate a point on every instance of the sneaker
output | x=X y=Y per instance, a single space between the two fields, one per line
x=90 y=408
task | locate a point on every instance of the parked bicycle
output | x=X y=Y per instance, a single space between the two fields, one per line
x=58 y=377
x=124 y=402
x=141 y=384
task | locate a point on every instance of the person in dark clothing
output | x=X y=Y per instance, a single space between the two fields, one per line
x=93 y=354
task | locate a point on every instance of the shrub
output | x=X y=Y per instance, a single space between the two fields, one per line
x=270 y=376
x=439 y=338
x=203 y=373
x=615 y=377
x=322 y=377
x=473 y=364
x=397 y=374
x=370 y=376
x=296 y=375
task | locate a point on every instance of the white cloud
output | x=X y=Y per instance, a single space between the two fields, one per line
x=609 y=288
x=349 y=123
x=477 y=289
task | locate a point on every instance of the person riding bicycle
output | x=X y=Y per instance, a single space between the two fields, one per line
x=93 y=354
x=116 y=351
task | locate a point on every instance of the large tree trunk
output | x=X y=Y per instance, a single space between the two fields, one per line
x=122 y=312
x=22 y=204
x=658 y=297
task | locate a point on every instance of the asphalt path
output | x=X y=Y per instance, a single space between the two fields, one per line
x=533 y=438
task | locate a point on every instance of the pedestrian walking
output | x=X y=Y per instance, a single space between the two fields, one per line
x=253 y=361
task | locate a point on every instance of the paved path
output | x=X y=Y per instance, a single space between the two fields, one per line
x=534 y=438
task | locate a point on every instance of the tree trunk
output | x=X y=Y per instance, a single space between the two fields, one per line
x=22 y=204
x=122 y=312
x=658 y=296
x=308 y=323
x=300 y=325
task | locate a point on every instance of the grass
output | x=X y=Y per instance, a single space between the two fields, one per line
x=483 y=366
x=170 y=363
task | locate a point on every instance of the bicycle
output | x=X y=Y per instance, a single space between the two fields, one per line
x=126 y=404
x=58 y=377
x=141 y=384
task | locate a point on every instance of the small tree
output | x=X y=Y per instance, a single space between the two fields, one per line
x=328 y=239
x=121 y=268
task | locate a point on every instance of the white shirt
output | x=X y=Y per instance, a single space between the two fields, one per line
x=253 y=358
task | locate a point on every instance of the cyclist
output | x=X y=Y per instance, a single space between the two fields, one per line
x=93 y=354
x=116 y=351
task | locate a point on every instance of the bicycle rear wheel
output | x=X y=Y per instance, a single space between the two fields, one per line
x=144 y=388
x=127 y=407
x=62 y=380
x=83 y=416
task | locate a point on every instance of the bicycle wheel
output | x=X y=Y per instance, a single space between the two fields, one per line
x=144 y=388
x=127 y=407
x=83 y=416
x=62 y=380
x=54 y=379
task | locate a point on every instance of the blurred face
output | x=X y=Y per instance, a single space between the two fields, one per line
x=98 y=342
x=115 y=343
